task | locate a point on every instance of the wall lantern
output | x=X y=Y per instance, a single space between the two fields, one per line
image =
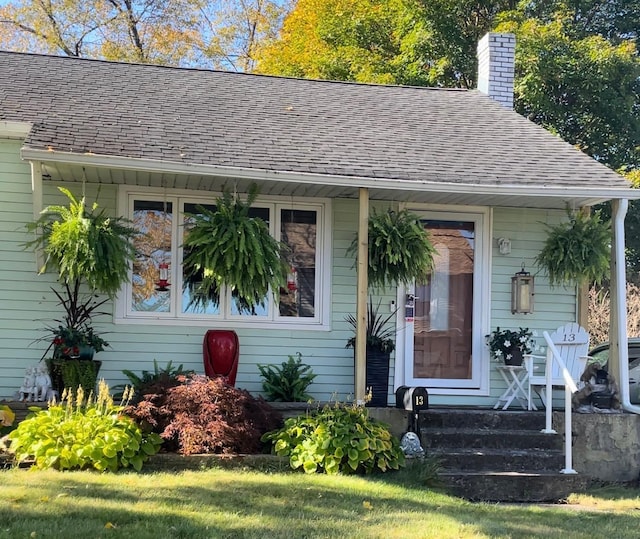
x=522 y=292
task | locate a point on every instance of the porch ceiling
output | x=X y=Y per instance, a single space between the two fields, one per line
x=505 y=196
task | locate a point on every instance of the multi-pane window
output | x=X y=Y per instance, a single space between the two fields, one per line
x=161 y=290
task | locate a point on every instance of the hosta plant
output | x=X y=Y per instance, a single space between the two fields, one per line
x=7 y=417
x=288 y=382
x=337 y=439
x=83 y=433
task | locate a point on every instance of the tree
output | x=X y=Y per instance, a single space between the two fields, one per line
x=218 y=33
x=153 y=31
x=230 y=30
x=577 y=65
x=362 y=40
x=584 y=89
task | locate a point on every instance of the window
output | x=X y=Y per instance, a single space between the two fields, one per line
x=164 y=221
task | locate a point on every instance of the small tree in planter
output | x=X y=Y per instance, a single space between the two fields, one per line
x=380 y=344
x=400 y=252
x=85 y=247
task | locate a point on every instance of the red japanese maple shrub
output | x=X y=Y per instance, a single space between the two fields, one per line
x=206 y=415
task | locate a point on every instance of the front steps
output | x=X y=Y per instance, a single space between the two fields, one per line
x=498 y=456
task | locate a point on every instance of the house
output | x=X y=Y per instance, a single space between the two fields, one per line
x=151 y=142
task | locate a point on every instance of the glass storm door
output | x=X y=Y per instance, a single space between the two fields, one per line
x=439 y=342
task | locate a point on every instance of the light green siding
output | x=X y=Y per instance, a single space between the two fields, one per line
x=27 y=304
x=553 y=307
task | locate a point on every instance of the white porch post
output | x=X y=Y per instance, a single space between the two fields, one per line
x=361 y=296
x=36 y=201
x=618 y=352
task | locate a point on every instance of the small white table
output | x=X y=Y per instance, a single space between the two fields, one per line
x=515 y=376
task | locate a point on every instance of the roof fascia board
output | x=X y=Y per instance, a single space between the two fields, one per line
x=14 y=130
x=172 y=167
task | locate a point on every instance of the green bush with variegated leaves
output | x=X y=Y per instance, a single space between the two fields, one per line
x=83 y=433
x=337 y=439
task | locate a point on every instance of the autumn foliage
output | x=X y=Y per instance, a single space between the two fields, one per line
x=204 y=415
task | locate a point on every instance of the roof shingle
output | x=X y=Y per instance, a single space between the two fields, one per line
x=280 y=124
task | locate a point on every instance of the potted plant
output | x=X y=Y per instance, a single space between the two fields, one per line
x=379 y=347
x=578 y=250
x=89 y=250
x=229 y=247
x=400 y=250
x=510 y=345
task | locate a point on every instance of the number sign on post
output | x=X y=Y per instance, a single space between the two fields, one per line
x=413 y=399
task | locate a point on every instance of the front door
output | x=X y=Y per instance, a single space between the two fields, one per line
x=443 y=328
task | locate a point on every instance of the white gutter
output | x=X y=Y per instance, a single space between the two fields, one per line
x=14 y=130
x=618 y=344
x=172 y=167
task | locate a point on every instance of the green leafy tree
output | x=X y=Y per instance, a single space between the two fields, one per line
x=361 y=40
x=577 y=65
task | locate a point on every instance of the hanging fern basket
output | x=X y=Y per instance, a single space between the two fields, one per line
x=400 y=249
x=230 y=248
x=85 y=245
x=577 y=251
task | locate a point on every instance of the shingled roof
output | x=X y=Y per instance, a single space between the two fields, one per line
x=201 y=117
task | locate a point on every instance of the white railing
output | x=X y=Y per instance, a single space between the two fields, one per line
x=570 y=388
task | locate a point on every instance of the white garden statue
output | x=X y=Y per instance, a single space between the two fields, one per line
x=43 y=384
x=36 y=385
x=27 y=389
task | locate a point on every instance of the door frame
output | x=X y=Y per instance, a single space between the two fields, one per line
x=483 y=217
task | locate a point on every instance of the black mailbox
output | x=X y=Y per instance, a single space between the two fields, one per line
x=413 y=399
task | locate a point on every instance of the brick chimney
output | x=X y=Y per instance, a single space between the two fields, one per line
x=496 y=63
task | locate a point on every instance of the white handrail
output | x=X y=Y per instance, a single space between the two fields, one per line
x=570 y=387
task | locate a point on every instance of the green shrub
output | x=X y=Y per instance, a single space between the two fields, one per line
x=289 y=382
x=81 y=433
x=337 y=439
x=161 y=377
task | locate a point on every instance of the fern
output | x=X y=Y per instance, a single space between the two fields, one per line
x=84 y=244
x=289 y=382
x=400 y=250
x=228 y=247
x=577 y=251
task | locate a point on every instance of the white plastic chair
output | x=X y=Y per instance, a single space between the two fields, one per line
x=572 y=343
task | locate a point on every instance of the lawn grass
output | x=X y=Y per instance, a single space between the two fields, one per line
x=245 y=503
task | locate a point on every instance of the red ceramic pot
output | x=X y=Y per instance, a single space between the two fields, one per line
x=221 y=350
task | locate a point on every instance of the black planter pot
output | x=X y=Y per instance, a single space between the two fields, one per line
x=73 y=373
x=377 y=378
x=516 y=357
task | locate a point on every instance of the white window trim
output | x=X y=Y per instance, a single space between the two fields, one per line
x=321 y=321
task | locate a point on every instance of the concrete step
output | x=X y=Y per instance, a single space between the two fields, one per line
x=514 y=487
x=479 y=419
x=498 y=456
x=508 y=460
x=488 y=439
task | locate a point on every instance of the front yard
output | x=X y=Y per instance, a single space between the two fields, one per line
x=244 y=503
